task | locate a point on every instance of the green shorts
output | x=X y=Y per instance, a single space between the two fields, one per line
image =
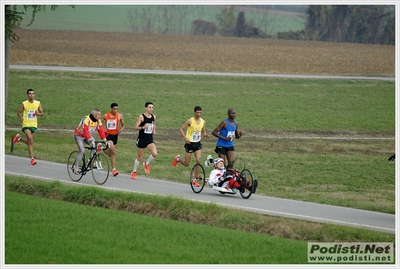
x=33 y=129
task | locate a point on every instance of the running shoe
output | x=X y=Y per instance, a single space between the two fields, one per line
x=33 y=162
x=77 y=170
x=146 y=168
x=176 y=160
x=195 y=183
x=17 y=138
x=133 y=175
x=115 y=173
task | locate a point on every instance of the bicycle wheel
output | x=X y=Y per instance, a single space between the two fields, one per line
x=239 y=164
x=100 y=167
x=71 y=165
x=249 y=182
x=197 y=175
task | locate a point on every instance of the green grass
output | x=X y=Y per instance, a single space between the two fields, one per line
x=89 y=225
x=341 y=171
x=176 y=19
x=266 y=104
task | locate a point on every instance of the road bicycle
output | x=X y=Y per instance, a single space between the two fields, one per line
x=98 y=164
x=198 y=174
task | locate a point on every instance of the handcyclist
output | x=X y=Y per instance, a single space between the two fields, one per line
x=220 y=178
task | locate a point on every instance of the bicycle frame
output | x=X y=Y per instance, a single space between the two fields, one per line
x=98 y=164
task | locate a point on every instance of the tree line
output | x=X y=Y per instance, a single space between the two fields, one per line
x=366 y=24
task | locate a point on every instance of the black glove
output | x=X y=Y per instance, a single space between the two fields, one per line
x=91 y=143
x=229 y=177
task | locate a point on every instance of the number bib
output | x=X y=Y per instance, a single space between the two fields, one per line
x=31 y=114
x=149 y=129
x=196 y=136
x=111 y=124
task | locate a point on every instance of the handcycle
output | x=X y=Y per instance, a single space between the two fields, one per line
x=98 y=164
x=198 y=174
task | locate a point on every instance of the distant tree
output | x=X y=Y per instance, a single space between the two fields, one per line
x=367 y=24
x=317 y=22
x=201 y=27
x=243 y=29
x=226 y=19
x=13 y=18
x=240 y=27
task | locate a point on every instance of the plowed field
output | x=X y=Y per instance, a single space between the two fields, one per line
x=200 y=53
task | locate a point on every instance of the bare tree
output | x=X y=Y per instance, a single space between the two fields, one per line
x=13 y=18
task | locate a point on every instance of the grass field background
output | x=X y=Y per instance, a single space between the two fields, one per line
x=301 y=138
x=156 y=19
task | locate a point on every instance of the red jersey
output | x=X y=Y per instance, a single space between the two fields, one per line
x=112 y=123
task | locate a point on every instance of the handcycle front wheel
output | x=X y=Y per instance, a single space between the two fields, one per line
x=100 y=167
x=71 y=165
x=197 y=178
x=249 y=183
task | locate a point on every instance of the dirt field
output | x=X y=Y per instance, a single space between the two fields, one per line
x=199 y=53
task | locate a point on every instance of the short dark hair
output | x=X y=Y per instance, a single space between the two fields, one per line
x=197 y=108
x=148 y=103
x=29 y=90
x=113 y=105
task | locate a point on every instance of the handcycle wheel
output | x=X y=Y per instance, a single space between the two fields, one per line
x=100 y=167
x=71 y=164
x=200 y=179
x=239 y=164
x=249 y=183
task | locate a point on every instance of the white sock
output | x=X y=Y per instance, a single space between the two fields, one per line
x=135 y=165
x=150 y=159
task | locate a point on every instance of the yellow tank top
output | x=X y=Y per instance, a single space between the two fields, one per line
x=193 y=132
x=29 y=113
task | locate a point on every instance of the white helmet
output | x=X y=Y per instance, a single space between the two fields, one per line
x=217 y=160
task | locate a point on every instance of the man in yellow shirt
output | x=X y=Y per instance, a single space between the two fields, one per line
x=195 y=128
x=27 y=113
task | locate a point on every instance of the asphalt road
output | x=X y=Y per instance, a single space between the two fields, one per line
x=49 y=171
x=197 y=73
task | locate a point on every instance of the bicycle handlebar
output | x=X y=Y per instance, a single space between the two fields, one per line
x=104 y=145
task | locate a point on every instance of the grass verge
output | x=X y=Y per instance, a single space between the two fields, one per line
x=185 y=210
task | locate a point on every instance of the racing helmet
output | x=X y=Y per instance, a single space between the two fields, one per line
x=217 y=160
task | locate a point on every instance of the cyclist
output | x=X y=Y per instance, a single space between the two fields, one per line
x=84 y=133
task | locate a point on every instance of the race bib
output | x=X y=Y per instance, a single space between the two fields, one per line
x=31 y=114
x=91 y=131
x=196 y=136
x=231 y=134
x=111 y=124
x=149 y=129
